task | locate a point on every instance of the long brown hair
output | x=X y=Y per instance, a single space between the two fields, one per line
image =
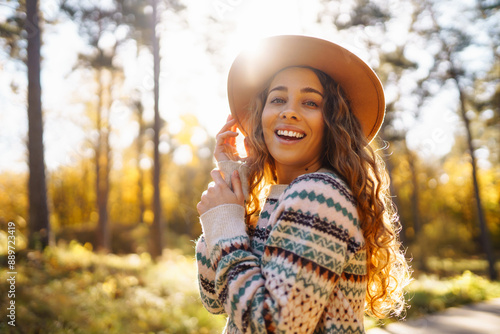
x=346 y=152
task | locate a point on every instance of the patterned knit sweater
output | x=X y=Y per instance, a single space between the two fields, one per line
x=302 y=269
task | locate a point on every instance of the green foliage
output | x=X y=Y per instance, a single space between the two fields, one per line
x=11 y=29
x=13 y=196
x=70 y=289
x=447 y=267
x=428 y=294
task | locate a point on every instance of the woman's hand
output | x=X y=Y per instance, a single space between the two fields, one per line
x=218 y=193
x=225 y=147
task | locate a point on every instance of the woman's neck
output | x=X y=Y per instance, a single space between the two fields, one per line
x=286 y=174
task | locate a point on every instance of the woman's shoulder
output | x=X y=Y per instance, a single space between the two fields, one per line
x=323 y=182
x=325 y=196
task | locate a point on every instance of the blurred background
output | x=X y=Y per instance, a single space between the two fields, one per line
x=103 y=188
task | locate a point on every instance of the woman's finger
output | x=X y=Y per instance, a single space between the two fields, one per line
x=220 y=193
x=230 y=124
x=237 y=187
x=221 y=137
x=225 y=147
x=235 y=125
x=217 y=177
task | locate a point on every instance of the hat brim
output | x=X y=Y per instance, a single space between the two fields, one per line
x=253 y=68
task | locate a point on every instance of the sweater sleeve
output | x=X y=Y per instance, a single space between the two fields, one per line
x=314 y=234
x=206 y=278
x=206 y=272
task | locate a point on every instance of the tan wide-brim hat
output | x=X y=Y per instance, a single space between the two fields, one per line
x=253 y=68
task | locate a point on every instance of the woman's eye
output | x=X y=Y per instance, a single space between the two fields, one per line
x=311 y=104
x=277 y=100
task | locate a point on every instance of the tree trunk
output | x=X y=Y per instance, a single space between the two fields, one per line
x=140 y=144
x=421 y=261
x=157 y=244
x=39 y=226
x=415 y=195
x=485 y=235
x=102 y=170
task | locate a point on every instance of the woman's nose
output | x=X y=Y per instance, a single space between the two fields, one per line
x=290 y=113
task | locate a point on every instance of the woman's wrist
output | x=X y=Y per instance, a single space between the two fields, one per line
x=223 y=222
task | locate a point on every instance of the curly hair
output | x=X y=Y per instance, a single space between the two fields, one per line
x=347 y=152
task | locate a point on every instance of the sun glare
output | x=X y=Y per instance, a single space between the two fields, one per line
x=258 y=19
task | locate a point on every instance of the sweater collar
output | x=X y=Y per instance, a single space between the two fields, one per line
x=276 y=190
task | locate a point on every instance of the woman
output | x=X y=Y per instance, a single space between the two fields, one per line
x=322 y=248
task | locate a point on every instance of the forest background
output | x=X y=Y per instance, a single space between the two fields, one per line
x=107 y=199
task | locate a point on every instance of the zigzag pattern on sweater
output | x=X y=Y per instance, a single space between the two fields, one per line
x=269 y=203
x=207 y=285
x=227 y=246
x=340 y=329
x=307 y=279
x=265 y=215
x=311 y=196
x=256 y=308
x=258 y=239
x=212 y=304
x=300 y=262
x=357 y=268
x=308 y=252
x=315 y=223
x=234 y=305
x=233 y=274
x=203 y=260
x=353 y=278
x=330 y=179
x=354 y=291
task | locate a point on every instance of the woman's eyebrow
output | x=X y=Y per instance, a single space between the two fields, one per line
x=279 y=88
x=303 y=90
x=311 y=90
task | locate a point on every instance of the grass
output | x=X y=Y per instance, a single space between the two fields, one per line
x=429 y=294
x=70 y=289
x=73 y=290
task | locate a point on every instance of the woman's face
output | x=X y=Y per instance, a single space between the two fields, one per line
x=293 y=124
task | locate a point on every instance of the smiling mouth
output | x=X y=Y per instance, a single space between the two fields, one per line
x=290 y=135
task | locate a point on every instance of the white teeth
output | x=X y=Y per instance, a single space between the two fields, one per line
x=290 y=134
